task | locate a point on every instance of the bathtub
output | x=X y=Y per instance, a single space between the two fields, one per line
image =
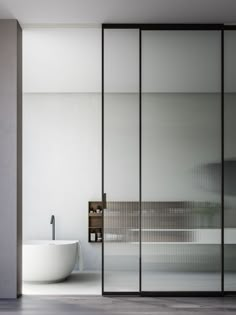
x=49 y=261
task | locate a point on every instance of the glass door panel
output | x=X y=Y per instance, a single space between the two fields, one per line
x=121 y=160
x=230 y=162
x=181 y=161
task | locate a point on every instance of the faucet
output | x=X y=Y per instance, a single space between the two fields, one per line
x=52 y=221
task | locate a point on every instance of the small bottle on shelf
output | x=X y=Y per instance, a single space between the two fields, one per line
x=99 y=236
x=98 y=209
x=92 y=236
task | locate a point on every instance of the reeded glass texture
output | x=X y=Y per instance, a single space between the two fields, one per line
x=181 y=161
x=230 y=161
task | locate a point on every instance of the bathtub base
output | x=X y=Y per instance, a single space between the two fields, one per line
x=46 y=282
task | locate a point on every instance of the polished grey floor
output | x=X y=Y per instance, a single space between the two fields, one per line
x=97 y=305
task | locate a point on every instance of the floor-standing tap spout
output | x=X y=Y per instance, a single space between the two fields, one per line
x=53 y=226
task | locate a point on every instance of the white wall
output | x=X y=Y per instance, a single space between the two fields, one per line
x=66 y=60
x=62 y=134
x=62 y=167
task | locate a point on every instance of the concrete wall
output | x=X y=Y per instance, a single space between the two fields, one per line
x=10 y=158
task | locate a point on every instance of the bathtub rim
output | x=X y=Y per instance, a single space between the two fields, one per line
x=50 y=242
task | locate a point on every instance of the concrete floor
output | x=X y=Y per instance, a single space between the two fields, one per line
x=95 y=305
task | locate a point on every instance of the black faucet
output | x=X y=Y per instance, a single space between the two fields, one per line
x=53 y=226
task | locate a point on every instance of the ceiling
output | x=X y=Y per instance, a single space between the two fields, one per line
x=118 y=11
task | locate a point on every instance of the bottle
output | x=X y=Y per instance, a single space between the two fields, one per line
x=98 y=209
x=99 y=236
x=92 y=236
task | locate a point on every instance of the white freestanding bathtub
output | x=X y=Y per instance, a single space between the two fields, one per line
x=49 y=261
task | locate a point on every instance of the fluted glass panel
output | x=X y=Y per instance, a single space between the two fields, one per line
x=181 y=161
x=121 y=160
x=230 y=161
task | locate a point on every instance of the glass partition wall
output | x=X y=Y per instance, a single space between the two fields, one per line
x=181 y=142
x=121 y=160
x=230 y=161
x=166 y=123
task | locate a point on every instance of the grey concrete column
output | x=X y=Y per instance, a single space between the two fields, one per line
x=10 y=158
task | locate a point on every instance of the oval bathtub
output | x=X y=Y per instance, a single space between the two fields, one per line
x=49 y=261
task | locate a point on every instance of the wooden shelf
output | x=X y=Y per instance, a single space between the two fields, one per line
x=95 y=222
x=95 y=227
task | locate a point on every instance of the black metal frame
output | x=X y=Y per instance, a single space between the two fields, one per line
x=222 y=163
x=140 y=160
x=167 y=27
x=103 y=160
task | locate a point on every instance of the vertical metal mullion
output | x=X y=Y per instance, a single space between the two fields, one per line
x=140 y=160
x=222 y=161
x=102 y=140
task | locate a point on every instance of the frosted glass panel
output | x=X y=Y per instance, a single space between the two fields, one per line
x=181 y=158
x=121 y=160
x=230 y=161
x=121 y=67
x=181 y=62
x=229 y=61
